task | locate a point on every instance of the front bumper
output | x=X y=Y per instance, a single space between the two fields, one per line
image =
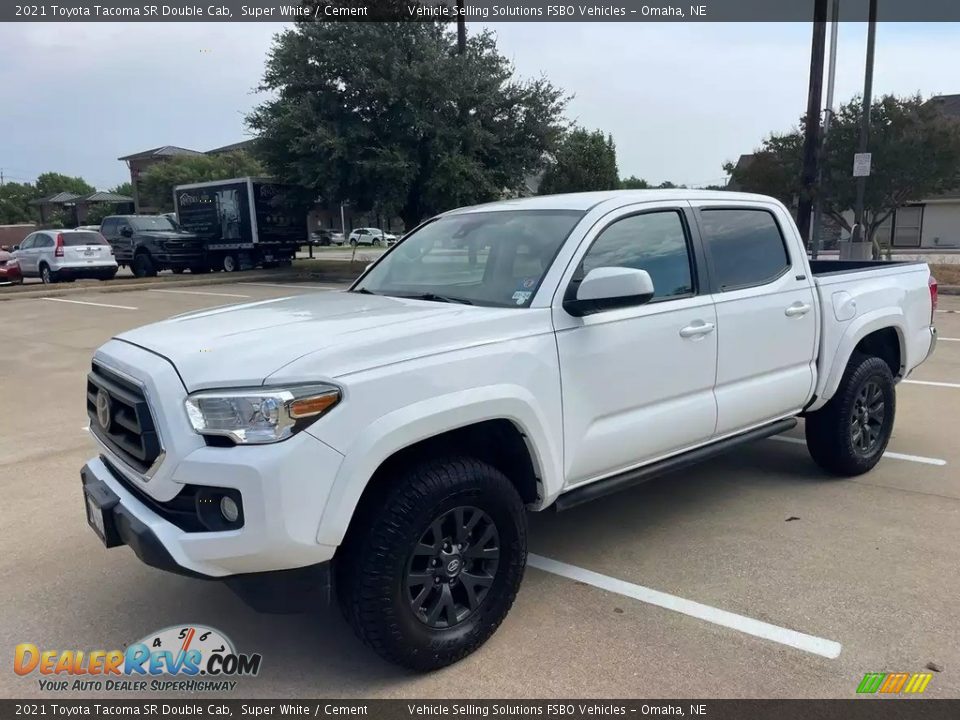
x=291 y=590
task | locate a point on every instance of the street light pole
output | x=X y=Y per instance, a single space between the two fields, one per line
x=461 y=30
x=815 y=240
x=858 y=247
x=811 y=140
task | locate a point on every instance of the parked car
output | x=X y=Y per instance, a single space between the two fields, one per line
x=9 y=269
x=371 y=236
x=150 y=243
x=54 y=255
x=392 y=436
x=325 y=237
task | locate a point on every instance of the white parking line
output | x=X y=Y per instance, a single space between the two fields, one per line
x=887 y=454
x=950 y=339
x=930 y=382
x=757 y=628
x=198 y=292
x=81 y=302
x=305 y=286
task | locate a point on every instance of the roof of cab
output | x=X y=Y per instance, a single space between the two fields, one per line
x=586 y=200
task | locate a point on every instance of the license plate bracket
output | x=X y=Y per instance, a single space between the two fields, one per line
x=99 y=502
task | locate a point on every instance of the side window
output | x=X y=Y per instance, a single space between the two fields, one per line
x=45 y=241
x=655 y=242
x=109 y=227
x=27 y=242
x=745 y=247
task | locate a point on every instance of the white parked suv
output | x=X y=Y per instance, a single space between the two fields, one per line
x=371 y=236
x=522 y=355
x=54 y=255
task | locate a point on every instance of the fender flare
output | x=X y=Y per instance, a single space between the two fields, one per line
x=858 y=329
x=411 y=424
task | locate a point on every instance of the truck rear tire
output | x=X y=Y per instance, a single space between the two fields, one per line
x=143 y=265
x=430 y=568
x=229 y=263
x=849 y=434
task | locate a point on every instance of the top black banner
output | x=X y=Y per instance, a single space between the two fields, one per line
x=487 y=11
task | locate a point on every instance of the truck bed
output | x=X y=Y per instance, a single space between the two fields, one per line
x=836 y=267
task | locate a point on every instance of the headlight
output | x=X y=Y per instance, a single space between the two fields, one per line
x=255 y=416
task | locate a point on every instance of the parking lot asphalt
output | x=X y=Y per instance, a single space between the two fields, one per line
x=753 y=575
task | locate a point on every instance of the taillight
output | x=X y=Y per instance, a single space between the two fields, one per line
x=59 y=251
x=932 y=284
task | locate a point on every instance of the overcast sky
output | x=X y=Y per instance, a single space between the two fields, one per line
x=678 y=99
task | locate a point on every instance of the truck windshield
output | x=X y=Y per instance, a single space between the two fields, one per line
x=152 y=223
x=495 y=259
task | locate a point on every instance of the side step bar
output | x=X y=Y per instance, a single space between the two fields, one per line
x=630 y=478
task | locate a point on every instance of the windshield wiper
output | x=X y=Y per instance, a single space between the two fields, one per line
x=364 y=291
x=438 y=298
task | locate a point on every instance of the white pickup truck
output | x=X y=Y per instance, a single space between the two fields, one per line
x=385 y=441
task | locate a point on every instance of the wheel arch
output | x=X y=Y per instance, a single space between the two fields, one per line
x=508 y=435
x=879 y=334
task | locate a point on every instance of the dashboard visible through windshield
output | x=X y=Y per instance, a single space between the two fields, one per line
x=494 y=258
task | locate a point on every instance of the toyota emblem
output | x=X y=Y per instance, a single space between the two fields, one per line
x=103 y=410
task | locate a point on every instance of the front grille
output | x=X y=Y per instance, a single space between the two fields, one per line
x=126 y=427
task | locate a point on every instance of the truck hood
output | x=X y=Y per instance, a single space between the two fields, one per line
x=328 y=334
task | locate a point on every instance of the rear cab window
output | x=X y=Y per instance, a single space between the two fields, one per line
x=745 y=246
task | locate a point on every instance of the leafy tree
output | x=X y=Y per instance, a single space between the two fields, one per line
x=634 y=183
x=583 y=161
x=158 y=181
x=15 y=203
x=916 y=153
x=389 y=117
x=50 y=183
x=98 y=211
x=59 y=218
x=123 y=188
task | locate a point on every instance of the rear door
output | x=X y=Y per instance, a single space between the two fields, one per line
x=25 y=257
x=85 y=248
x=766 y=318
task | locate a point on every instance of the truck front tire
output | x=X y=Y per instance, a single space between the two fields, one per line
x=849 y=434
x=432 y=566
x=143 y=265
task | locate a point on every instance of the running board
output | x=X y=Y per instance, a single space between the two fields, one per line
x=628 y=479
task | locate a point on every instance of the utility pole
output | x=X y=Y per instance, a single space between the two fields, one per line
x=827 y=118
x=811 y=140
x=461 y=30
x=858 y=245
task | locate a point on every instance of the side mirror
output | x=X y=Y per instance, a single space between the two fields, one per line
x=15 y=248
x=607 y=288
x=126 y=232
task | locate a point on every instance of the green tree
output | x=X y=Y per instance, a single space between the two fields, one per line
x=98 y=211
x=15 y=203
x=389 y=117
x=915 y=154
x=157 y=181
x=123 y=188
x=583 y=161
x=634 y=183
x=50 y=183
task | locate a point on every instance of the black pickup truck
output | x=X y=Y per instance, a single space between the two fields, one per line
x=149 y=243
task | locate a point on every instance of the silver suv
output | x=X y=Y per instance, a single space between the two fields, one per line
x=54 y=255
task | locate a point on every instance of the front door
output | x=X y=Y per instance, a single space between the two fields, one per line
x=637 y=381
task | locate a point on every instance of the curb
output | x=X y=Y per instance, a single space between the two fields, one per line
x=127 y=284
x=949 y=290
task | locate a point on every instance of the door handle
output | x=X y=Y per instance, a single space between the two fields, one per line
x=797 y=309
x=697 y=329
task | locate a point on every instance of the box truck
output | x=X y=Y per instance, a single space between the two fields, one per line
x=243 y=222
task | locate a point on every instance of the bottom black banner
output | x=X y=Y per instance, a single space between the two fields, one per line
x=865 y=709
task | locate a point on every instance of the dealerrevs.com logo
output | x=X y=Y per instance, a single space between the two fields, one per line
x=178 y=658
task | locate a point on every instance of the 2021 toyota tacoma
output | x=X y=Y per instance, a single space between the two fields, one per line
x=516 y=356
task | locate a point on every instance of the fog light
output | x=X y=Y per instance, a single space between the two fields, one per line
x=229 y=509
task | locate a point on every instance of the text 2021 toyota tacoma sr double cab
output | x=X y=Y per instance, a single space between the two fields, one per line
x=385 y=441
